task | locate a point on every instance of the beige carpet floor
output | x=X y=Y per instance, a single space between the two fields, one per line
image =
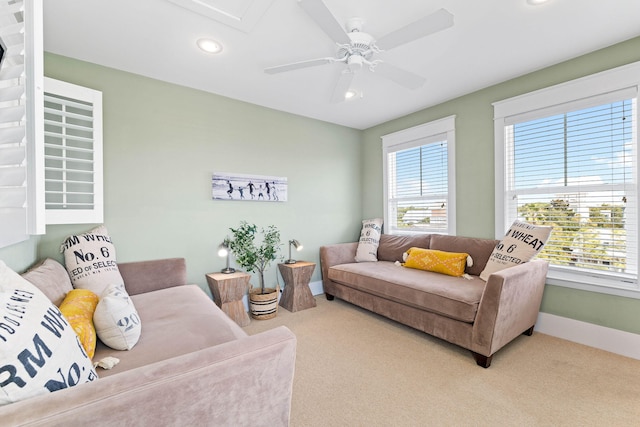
x=355 y=368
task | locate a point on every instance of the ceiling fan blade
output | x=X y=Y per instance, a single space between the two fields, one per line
x=398 y=75
x=298 y=65
x=343 y=85
x=318 y=11
x=430 y=24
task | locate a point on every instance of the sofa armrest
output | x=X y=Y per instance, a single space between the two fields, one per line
x=242 y=382
x=330 y=255
x=146 y=276
x=509 y=305
x=341 y=253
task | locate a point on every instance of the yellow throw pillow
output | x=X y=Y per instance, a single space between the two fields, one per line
x=450 y=263
x=78 y=307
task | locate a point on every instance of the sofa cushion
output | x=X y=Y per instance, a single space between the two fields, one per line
x=51 y=278
x=39 y=351
x=369 y=240
x=454 y=297
x=449 y=263
x=146 y=276
x=392 y=246
x=78 y=308
x=521 y=244
x=117 y=321
x=90 y=259
x=478 y=249
x=176 y=321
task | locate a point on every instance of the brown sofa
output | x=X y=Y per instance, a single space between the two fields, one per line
x=479 y=316
x=191 y=366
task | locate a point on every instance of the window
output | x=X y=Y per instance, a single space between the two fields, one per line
x=567 y=157
x=419 y=178
x=73 y=153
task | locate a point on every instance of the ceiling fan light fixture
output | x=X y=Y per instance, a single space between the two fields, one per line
x=354 y=62
x=209 y=45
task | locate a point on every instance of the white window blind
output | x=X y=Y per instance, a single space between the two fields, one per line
x=20 y=131
x=73 y=153
x=576 y=172
x=418 y=171
x=566 y=156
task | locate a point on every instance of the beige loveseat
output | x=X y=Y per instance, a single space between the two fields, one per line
x=191 y=366
x=479 y=316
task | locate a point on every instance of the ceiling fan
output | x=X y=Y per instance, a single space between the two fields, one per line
x=356 y=49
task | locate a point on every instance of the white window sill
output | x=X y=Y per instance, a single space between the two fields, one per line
x=588 y=283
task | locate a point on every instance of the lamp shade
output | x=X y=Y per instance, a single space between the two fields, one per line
x=223 y=250
x=298 y=246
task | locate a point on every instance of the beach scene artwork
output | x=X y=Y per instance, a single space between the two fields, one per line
x=243 y=187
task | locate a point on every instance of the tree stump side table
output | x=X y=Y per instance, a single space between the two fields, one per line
x=297 y=295
x=227 y=291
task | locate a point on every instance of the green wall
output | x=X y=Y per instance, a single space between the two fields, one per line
x=162 y=142
x=475 y=173
x=21 y=255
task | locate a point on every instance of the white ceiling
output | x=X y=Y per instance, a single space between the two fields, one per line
x=490 y=42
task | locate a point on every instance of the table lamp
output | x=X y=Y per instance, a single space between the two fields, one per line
x=298 y=245
x=224 y=251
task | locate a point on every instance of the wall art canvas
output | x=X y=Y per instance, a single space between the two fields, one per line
x=257 y=188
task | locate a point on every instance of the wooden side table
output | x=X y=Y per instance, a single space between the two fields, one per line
x=297 y=295
x=228 y=290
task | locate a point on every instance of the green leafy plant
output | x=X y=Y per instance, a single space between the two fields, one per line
x=251 y=255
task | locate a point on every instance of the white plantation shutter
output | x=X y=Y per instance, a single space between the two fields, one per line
x=21 y=212
x=419 y=189
x=73 y=153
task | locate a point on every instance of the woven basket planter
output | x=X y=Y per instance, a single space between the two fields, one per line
x=263 y=306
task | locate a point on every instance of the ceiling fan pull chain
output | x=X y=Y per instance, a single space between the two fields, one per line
x=373 y=64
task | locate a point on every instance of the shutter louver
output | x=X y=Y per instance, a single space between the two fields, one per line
x=13 y=142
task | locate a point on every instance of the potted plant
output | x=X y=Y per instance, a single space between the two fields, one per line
x=255 y=257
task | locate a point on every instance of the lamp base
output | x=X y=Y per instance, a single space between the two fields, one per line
x=228 y=270
x=290 y=261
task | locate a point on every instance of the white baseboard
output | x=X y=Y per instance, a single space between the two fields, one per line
x=316 y=287
x=608 y=339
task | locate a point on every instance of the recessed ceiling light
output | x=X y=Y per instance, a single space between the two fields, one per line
x=536 y=2
x=209 y=45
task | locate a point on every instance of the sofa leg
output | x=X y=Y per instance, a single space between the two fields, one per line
x=329 y=296
x=484 y=361
x=529 y=331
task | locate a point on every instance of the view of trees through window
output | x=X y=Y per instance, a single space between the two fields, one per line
x=597 y=241
x=420 y=215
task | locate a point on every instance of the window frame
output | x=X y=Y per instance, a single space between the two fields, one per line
x=599 y=88
x=414 y=137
